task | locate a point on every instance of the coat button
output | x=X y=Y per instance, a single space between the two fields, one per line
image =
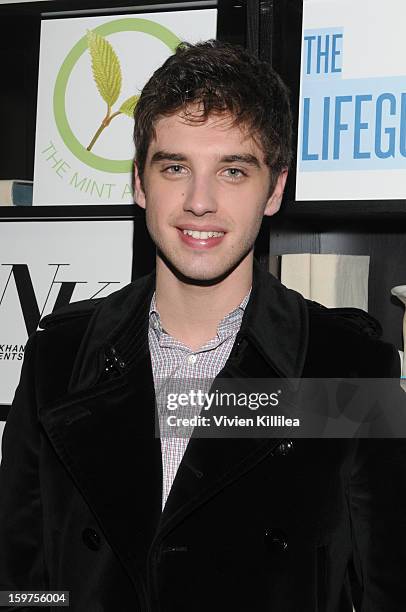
x=284 y=448
x=91 y=538
x=275 y=539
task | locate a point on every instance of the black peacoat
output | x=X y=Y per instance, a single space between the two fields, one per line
x=250 y=525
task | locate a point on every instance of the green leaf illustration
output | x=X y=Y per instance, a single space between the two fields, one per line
x=105 y=66
x=128 y=106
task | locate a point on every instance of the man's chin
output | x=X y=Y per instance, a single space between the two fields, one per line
x=198 y=275
x=201 y=277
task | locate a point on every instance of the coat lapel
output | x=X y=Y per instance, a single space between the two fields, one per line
x=103 y=429
x=271 y=344
x=106 y=440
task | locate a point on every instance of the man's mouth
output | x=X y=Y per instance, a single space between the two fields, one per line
x=200 y=239
x=202 y=235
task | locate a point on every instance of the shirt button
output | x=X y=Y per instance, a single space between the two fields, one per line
x=156 y=324
x=192 y=359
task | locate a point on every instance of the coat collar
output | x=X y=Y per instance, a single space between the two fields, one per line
x=275 y=324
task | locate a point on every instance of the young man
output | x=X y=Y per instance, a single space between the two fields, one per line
x=92 y=502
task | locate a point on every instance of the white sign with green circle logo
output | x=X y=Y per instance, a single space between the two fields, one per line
x=91 y=73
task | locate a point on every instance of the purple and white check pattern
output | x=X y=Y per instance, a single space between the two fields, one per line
x=171 y=359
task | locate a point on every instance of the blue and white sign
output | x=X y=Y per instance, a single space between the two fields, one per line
x=352 y=119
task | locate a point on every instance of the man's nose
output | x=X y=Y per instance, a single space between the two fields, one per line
x=200 y=197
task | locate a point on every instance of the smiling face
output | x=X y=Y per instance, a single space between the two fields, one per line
x=205 y=189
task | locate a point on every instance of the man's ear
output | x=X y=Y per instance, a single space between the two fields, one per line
x=139 y=195
x=274 y=202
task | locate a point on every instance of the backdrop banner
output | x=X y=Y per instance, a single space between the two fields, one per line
x=352 y=117
x=91 y=72
x=46 y=265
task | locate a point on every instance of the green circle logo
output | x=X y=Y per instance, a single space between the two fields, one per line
x=120 y=25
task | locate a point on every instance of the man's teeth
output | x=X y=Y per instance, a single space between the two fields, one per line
x=202 y=235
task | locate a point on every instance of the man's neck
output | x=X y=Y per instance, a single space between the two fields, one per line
x=192 y=313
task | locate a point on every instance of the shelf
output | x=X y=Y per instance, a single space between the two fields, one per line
x=83 y=212
x=364 y=216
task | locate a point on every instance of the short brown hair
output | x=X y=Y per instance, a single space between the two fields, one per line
x=220 y=77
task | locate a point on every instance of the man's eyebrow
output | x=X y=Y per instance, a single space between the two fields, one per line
x=244 y=158
x=167 y=156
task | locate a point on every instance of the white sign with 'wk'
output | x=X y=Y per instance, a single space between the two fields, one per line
x=47 y=265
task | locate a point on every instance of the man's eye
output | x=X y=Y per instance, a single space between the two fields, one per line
x=235 y=173
x=174 y=169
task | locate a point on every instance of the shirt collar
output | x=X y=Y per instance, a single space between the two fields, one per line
x=229 y=324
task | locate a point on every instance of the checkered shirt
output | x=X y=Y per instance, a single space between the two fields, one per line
x=173 y=360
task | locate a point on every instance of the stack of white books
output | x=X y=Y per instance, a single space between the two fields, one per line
x=335 y=281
